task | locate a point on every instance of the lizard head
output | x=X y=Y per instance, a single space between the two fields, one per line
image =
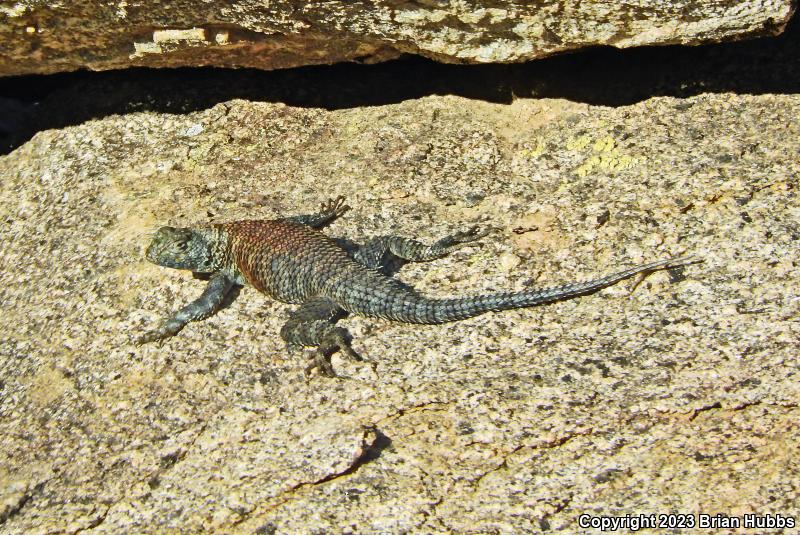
x=180 y=248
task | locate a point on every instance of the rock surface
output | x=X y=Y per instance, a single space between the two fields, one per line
x=42 y=37
x=679 y=394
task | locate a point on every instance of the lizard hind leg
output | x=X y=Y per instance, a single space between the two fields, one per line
x=313 y=324
x=373 y=254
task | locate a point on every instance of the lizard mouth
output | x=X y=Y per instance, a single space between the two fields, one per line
x=152 y=253
x=155 y=253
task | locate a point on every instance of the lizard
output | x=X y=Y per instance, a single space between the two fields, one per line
x=293 y=261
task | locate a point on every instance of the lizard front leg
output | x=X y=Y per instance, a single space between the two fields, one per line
x=204 y=306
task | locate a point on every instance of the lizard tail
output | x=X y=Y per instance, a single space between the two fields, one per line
x=431 y=311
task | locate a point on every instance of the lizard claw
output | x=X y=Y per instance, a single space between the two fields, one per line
x=336 y=207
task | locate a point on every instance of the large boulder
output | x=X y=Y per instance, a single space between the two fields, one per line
x=46 y=37
x=676 y=394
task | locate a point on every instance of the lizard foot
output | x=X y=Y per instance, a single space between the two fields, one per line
x=335 y=207
x=335 y=340
x=152 y=336
x=321 y=362
x=472 y=234
x=167 y=330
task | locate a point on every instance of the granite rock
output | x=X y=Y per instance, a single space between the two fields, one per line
x=47 y=37
x=677 y=393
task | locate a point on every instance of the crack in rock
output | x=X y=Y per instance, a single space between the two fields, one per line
x=95 y=522
x=373 y=442
x=15 y=508
x=556 y=443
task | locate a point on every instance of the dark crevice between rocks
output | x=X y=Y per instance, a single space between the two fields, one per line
x=600 y=76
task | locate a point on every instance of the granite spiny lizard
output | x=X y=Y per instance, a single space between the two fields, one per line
x=292 y=261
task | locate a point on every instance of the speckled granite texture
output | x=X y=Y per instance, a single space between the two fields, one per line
x=677 y=394
x=45 y=37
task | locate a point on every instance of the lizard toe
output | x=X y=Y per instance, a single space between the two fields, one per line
x=322 y=362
